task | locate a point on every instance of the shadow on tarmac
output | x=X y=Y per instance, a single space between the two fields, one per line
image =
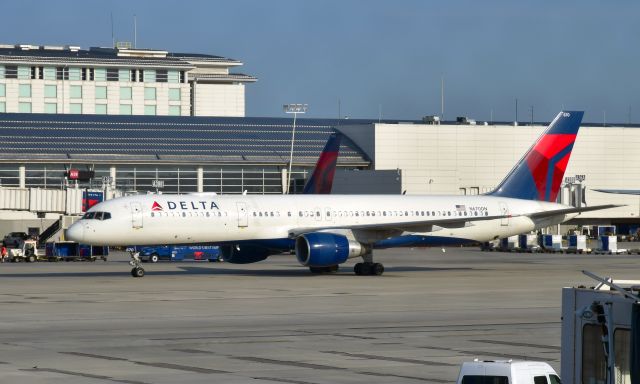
x=189 y=270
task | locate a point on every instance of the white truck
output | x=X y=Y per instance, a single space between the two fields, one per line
x=28 y=252
x=507 y=372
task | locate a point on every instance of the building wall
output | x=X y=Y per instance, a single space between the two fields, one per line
x=459 y=159
x=219 y=99
x=64 y=100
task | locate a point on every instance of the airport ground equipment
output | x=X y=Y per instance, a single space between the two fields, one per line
x=507 y=372
x=509 y=244
x=552 y=243
x=72 y=251
x=577 y=244
x=608 y=245
x=157 y=253
x=28 y=251
x=601 y=332
x=528 y=243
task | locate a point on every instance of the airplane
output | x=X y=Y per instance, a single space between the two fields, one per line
x=327 y=230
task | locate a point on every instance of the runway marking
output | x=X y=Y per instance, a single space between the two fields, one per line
x=94 y=356
x=395 y=359
x=197 y=351
x=282 y=380
x=515 y=344
x=284 y=362
x=178 y=367
x=81 y=374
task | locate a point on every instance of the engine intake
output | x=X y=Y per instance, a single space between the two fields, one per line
x=319 y=249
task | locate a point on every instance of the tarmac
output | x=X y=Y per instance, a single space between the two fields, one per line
x=274 y=322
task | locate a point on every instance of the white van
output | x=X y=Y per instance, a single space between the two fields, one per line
x=507 y=372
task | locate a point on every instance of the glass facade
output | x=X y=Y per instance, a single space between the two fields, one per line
x=2 y=90
x=174 y=94
x=125 y=109
x=125 y=93
x=101 y=109
x=75 y=91
x=50 y=91
x=75 y=108
x=50 y=108
x=75 y=73
x=3 y=107
x=174 y=110
x=101 y=92
x=24 y=107
x=24 y=90
x=149 y=93
x=150 y=110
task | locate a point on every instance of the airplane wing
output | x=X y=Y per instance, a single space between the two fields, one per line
x=556 y=212
x=419 y=225
x=619 y=191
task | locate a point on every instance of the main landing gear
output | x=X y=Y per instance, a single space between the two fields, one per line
x=368 y=268
x=137 y=270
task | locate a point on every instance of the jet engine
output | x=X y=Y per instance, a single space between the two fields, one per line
x=319 y=249
x=244 y=254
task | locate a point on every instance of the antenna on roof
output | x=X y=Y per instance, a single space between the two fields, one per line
x=113 y=38
x=135 y=31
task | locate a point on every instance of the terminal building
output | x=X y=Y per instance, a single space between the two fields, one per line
x=150 y=121
x=118 y=81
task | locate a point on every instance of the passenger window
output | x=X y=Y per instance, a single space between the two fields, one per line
x=384 y=213
x=184 y=214
x=289 y=213
x=152 y=214
x=271 y=214
x=540 y=380
x=253 y=214
x=368 y=213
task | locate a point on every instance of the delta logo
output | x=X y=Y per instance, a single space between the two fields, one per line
x=191 y=205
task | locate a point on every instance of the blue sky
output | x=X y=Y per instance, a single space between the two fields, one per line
x=382 y=56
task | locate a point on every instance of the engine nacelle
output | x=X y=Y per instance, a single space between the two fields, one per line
x=319 y=249
x=243 y=254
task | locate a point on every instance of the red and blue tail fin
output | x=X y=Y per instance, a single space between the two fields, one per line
x=321 y=180
x=538 y=175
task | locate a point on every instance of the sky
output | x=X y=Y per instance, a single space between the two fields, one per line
x=375 y=58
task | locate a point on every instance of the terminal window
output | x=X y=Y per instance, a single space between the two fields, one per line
x=50 y=108
x=75 y=73
x=125 y=109
x=75 y=108
x=174 y=94
x=50 y=91
x=49 y=73
x=125 y=93
x=75 y=91
x=2 y=107
x=2 y=90
x=149 y=93
x=24 y=107
x=149 y=109
x=24 y=73
x=11 y=72
x=24 y=90
x=101 y=92
x=101 y=109
x=112 y=74
x=174 y=110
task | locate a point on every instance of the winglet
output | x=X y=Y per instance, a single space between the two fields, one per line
x=321 y=181
x=538 y=175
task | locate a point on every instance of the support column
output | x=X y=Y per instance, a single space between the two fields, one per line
x=22 y=175
x=200 y=173
x=112 y=184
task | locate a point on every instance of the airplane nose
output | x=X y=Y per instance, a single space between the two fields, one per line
x=75 y=232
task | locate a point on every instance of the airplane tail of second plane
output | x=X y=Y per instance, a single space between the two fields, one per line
x=538 y=175
x=321 y=181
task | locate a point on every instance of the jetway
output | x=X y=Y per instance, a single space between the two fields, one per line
x=65 y=201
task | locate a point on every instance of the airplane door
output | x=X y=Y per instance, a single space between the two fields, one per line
x=243 y=216
x=504 y=210
x=136 y=215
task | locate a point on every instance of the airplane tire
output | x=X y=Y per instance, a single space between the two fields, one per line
x=377 y=269
x=137 y=272
x=358 y=269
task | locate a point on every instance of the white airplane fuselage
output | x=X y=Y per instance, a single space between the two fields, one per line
x=196 y=219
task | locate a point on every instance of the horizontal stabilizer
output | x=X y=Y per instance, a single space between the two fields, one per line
x=619 y=191
x=556 y=212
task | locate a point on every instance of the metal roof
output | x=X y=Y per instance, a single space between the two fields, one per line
x=167 y=139
x=105 y=57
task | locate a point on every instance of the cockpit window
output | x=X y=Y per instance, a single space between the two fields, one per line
x=97 y=216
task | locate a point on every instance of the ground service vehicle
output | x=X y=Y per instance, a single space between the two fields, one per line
x=179 y=253
x=507 y=372
x=27 y=252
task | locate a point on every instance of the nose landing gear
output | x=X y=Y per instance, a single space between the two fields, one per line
x=137 y=270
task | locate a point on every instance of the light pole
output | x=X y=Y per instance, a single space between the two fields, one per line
x=295 y=109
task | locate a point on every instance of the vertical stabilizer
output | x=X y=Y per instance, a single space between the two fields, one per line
x=321 y=180
x=538 y=175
